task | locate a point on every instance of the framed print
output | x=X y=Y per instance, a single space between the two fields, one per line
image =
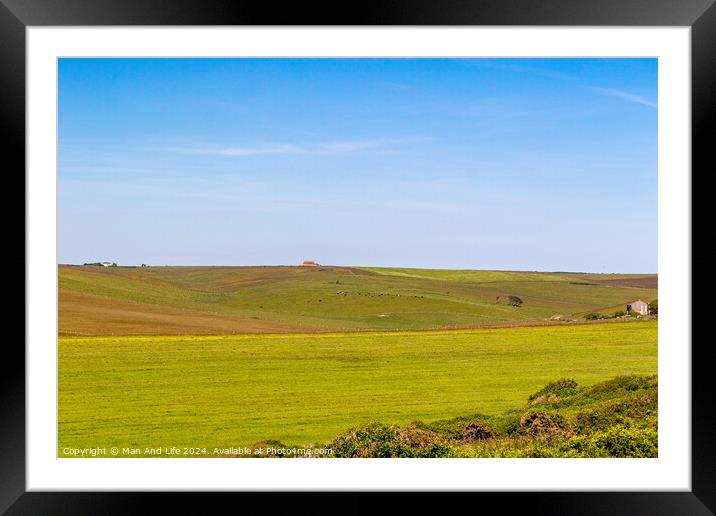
x=415 y=249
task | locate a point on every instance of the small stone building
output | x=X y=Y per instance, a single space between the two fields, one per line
x=639 y=307
x=309 y=263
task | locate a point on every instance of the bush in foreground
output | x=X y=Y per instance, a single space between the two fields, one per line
x=379 y=440
x=561 y=388
x=617 y=441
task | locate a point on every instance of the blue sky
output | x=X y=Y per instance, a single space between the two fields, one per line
x=519 y=164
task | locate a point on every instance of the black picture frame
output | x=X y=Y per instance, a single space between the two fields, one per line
x=17 y=15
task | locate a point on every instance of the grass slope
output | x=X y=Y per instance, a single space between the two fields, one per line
x=228 y=300
x=223 y=391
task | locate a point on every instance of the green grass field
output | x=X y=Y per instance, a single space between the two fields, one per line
x=238 y=300
x=301 y=389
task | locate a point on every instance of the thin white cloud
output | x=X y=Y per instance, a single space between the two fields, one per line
x=243 y=151
x=534 y=70
x=637 y=99
x=326 y=148
x=352 y=146
x=611 y=92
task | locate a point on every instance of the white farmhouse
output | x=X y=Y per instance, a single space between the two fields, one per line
x=639 y=307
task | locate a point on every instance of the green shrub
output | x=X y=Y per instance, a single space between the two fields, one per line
x=589 y=421
x=617 y=441
x=626 y=383
x=562 y=387
x=593 y=316
x=619 y=313
x=475 y=432
x=372 y=440
x=627 y=410
x=541 y=424
x=379 y=440
x=514 y=301
x=513 y=427
x=434 y=450
x=463 y=428
x=654 y=307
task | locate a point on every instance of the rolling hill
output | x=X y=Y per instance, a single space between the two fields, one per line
x=284 y=299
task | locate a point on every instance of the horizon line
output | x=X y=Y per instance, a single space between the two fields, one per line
x=370 y=267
